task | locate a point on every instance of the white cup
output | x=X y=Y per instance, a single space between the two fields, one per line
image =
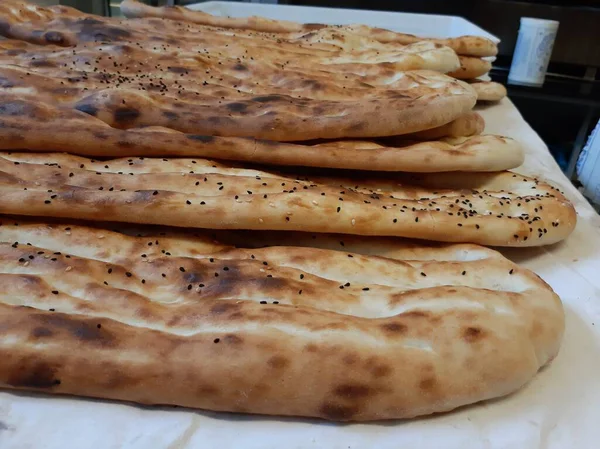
x=533 y=50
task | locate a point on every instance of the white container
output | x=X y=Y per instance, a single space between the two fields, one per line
x=426 y=25
x=588 y=167
x=533 y=50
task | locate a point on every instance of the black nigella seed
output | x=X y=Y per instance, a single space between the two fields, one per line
x=143 y=281
x=109 y=270
x=301 y=276
x=128 y=274
x=21 y=260
x=55 y=292
x=182 y=269
x=163 y=275
x=511 y=271
x=47 y=202
x=263 y=302
x=339 y=209
x=225 y=268
x=275 y=302
x=202 y=203
x=463 y=273
x=189 y=287
x=416 y=219
x=216 y=340
x=366 y=289
x=265 y=263
x=423 y=274
x=155 y=192
x=188 y=202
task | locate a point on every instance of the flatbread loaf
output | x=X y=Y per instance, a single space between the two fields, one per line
x=29 y=123
x=503 y=208
x=463 y=45
x=137 y=86
x=470 y=124
x=278 y=331
x=471 y=67
x=488 y=90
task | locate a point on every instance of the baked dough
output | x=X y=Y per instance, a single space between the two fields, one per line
x=502 y=208
x=41 y=127
x=181 y=320
x=488 y=90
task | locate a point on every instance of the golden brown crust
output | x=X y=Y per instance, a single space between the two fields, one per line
x=174 y=319
x=471 y=67
x=488 y=90
x=41 y=127
x=463 y=45
x=501 y=208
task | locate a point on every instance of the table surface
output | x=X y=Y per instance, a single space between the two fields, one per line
x=558 y=409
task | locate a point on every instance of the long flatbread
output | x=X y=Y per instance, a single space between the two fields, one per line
x=471 y=67
x=488 y=90
x=278 y=331
x=463 y=45
x=43 y=128
x=470 y=124
x=136 y=86
x=503 y=208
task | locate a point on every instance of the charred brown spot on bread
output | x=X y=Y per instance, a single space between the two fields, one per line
x=6 y=83
x=237 y=107
x=380 y=370
x=233 y=339
x=311 y=347
x=268 y=98
x=55 y=37
x=16 y=108
x=124 y=115
x=125 y=144
x=193 y=277
x=357 y=126
x=102 y=32
x=170 y=115
x=338 y=412
x=472 y=334
x=353 y=391
x=33 y=374
x=416 y=314
x=84 y=331
x=428 y=384
x=207 y=390
x=43 y=63
x=177 y=69
x=350 y=359
x=201 y=138
x=41 y=332
x=87 y=108
x=313 y=26
x=15 y=51
x=224 y=307
x=394 y=328
x=278 y=362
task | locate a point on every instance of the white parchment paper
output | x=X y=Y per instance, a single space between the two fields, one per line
x=560 y=408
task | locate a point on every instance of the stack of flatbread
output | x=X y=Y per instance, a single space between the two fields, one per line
x=474 y=52
x=217 y=218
